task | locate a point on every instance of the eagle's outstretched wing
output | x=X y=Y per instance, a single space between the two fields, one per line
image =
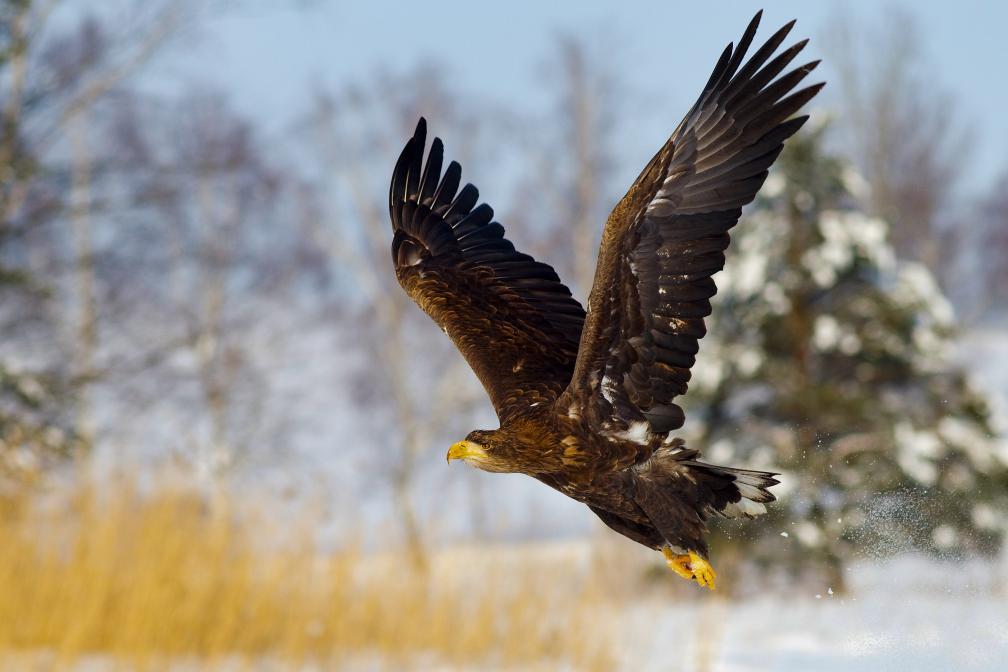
x=666 y=238
x=513 y=320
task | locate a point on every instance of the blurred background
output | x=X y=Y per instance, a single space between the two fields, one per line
x=223 y=425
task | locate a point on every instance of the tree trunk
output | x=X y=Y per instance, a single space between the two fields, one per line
x=86 y=331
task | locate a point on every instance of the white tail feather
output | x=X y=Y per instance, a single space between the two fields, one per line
x=744 y=508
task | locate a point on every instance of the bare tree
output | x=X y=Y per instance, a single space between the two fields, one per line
x=57 y=68
x=194 y=257
x=993 y=248
x=86 y=332
x=572 y=187
x=586 y=109
x=52 y=73
x=418 y=400
x=906 y=132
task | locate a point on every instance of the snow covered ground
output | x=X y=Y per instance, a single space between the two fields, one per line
x=906 y=614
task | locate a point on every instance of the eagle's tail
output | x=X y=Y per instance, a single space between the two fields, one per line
x=742 y=493
x=714 y=489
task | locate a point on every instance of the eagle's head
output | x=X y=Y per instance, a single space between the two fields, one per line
x=489 y=450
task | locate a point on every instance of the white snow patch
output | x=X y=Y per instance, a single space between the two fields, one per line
x=945 y=536
x=916 y=452
x=854 y=182
x=749 y=361
x=825 y=332
x=774 y=185
x=985 y=517
x=709 y=370
x=809 y=534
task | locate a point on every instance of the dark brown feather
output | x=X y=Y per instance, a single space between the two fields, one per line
x=667 y=237
x=510 y=316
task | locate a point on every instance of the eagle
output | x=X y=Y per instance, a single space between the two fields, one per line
x=586 y=401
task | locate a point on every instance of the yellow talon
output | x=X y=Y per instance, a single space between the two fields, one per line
x=702 y=570
x=678 y=563
x=691 y=567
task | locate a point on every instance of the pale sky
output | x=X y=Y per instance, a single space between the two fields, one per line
x=266 y=54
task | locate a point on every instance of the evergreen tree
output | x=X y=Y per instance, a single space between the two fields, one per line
x=33 y=403
x=830 y=360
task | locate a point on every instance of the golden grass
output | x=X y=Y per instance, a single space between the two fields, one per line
x=111 y=574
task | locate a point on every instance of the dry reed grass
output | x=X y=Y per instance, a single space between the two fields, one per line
x=144 y=580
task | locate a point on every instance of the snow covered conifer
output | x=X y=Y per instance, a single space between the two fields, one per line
x=829 y=359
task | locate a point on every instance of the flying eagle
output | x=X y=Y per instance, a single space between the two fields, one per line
x=586 y=400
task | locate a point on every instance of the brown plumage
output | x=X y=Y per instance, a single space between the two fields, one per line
x=586 y=402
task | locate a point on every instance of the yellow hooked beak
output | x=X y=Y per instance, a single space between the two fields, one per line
x=464 y=450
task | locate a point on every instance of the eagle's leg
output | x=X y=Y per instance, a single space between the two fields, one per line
x=691 y=566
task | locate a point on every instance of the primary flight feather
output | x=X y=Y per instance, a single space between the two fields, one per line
x=586 y=402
